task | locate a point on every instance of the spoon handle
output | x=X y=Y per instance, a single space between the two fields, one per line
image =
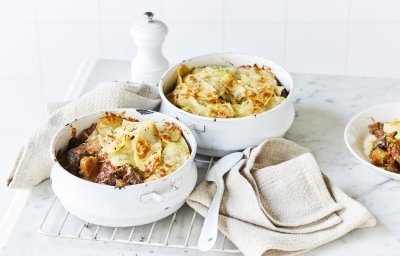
x=209 y=232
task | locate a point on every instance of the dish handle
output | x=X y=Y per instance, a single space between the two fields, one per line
x=162 y=195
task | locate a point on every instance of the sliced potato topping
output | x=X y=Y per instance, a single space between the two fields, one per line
x=226 y=92
x=154 y=148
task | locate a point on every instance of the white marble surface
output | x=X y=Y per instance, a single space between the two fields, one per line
x=323 y=105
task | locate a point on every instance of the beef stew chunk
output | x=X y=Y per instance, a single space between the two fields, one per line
x=84 y=135
x=83 y=159
x=89 y=167
x=121 y=176
x=376 y=129
x=74 y=155
x=394 y=151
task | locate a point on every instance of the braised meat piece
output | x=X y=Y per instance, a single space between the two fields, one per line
x=132 y=175
x=84 y=135
x=105 y=170
x=376 y=129
x=392 y=166
x=77 y=149
x=75 y=155
x=74 y=142
x=394 y=151
x=113 y=177
x=89 y=167
x=284 y=93
x=121 y=176
x=382 y=143
x=379 y=157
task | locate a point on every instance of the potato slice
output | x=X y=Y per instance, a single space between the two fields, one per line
x=106 y=124
x=182 y=71
x=393 y=126
x=147 y=145
x=169 y=131
x=175 y=154
x=123 y=156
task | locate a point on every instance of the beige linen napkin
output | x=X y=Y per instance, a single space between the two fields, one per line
x=33 y=163
x=277 y=202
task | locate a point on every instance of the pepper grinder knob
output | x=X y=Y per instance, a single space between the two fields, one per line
x=148 y=16
x=149 y=63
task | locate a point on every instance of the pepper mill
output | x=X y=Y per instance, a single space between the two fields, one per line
x=149 y=63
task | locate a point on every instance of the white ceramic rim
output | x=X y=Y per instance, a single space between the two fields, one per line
x=193 y=148
x=350 y=148
x=213 y=119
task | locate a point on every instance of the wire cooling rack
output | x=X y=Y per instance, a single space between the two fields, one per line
x=180 y=230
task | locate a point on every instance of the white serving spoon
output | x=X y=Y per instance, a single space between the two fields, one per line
x=209 y=232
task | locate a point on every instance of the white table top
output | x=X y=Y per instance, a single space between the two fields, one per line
x=324 y=104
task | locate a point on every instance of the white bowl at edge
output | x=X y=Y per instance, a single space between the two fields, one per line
x=356 y=135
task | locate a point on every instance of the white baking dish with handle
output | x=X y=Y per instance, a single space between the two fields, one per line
x=220 y=136
x=131 y=205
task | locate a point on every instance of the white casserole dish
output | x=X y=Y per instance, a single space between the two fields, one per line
x=219 y=136
x=122 y=207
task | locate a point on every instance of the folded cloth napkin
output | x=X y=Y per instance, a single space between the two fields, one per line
x=277 y=202
x=33 y=163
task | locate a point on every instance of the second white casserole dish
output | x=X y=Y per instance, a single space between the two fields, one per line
x=219 y=136
x=122 y=206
